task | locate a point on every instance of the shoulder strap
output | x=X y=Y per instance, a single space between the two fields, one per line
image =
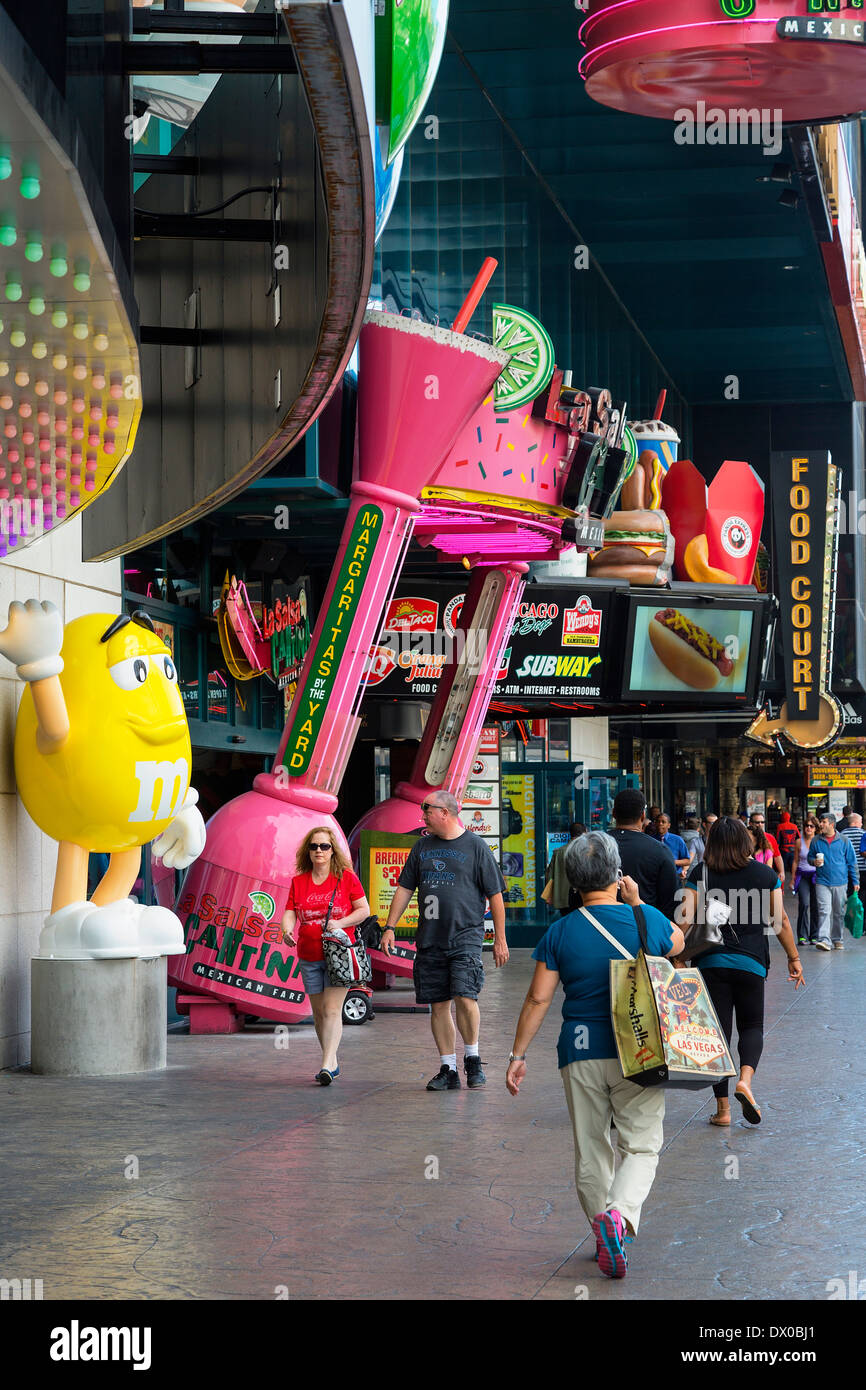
x=330 y=906
x=612 y=939
x=640 y=923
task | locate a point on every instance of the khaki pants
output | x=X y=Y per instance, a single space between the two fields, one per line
x=597 y=1092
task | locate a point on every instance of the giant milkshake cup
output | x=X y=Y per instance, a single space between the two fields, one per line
x=418 y=385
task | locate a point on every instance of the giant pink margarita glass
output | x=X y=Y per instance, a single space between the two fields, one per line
x=418 y=385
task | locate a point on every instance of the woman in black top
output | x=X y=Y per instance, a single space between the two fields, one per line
x=735 y=972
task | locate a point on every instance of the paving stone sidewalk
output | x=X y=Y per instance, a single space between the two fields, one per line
x=231 y=1176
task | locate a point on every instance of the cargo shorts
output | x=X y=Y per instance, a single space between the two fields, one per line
x=441 y=975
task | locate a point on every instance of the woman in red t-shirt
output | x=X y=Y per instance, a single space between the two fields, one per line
x=323 y=874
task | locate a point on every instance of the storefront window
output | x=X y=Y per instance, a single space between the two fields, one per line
x=144 y=573
x=382 y=773
x=508 y=748
x=186 y=659
x=218 y=684
x=183 y=562
x=271 y=704
x=245 y=702
x=558 y=741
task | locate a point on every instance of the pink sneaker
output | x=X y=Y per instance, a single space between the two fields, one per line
x=611 y=1236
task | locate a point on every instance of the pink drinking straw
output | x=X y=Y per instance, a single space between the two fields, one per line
x=660 y=405
x=479 y=285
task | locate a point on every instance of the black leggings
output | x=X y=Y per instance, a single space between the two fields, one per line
x=743 y=992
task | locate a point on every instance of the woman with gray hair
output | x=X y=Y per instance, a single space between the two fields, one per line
x=575 y=952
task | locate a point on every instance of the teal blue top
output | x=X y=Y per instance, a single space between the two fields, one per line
x=730 y=960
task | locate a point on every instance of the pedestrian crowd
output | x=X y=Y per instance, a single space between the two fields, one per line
x=639 y=884
x=642 y=864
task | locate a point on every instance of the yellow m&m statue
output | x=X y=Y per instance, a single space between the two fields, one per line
x=102 y=760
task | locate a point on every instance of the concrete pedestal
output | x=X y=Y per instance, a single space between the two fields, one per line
x=98 y=1017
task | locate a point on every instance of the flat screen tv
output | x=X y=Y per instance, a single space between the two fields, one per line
x=686 y=649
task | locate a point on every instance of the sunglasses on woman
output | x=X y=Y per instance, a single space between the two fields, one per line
x=326 y=845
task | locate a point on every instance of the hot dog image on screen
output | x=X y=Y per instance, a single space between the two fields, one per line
x=691 y=648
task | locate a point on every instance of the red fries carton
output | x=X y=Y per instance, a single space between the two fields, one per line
x=735 y=515
x=684 y=502
x=716 y=531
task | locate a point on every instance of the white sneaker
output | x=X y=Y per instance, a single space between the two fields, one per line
x=60 y=937
x=111 y=932
x=125 y=930
x=823 y=946
x=160 y=932
x=838 y=946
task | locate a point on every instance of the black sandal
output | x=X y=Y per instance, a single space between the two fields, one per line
x=750 y=1110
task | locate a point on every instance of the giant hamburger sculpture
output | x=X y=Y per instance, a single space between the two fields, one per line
x=638 y=545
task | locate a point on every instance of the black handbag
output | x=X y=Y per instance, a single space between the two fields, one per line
x=347 y=963
x=706 y=933
x=370 y=932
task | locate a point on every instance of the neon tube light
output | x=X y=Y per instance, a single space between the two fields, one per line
x=653 y=33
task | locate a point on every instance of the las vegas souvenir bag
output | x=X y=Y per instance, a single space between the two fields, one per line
x=666 y=1029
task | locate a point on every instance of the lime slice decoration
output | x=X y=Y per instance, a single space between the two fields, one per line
x=263 y=903
x=532 y=362
x=629 y=443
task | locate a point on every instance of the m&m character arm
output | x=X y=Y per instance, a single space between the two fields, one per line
x=32 y=641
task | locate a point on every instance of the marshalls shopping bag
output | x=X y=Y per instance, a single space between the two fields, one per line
x=666 y=1029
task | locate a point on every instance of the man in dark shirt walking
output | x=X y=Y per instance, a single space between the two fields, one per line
x=454 y=873
x=644 y=858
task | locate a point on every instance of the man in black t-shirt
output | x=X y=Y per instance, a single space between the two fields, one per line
x=643 y=857
x=455 y=874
